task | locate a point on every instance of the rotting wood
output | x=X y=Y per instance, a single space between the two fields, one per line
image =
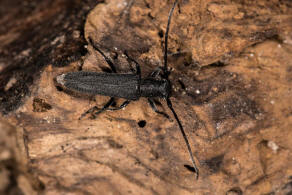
x=235 y=106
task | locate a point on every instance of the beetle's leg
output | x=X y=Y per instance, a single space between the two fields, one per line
x=104 y=108
x=155 y=109
x=107 y=59
x=129 y=63
x=88 y=111
x=156 y=72
x=138 y=69
x=123 y=105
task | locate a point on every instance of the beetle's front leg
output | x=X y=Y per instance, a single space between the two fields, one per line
x=155 y=109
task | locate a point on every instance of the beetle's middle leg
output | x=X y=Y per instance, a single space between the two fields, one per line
x=104 y=108
x=156 y=72
x=107 y=59
x=138 y=69
x=109 y=103
x=123 y=105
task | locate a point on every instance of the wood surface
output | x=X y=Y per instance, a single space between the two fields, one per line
x=231 y=72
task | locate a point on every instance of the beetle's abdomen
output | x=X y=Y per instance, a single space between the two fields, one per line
x=107 y=84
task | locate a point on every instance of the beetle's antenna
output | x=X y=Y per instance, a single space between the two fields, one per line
x=165 y=71
x=169 y=104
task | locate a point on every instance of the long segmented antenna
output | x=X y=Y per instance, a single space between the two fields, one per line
x=166 y=40
x=169 y=104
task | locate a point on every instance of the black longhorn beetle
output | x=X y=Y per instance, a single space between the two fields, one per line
x=127 y=86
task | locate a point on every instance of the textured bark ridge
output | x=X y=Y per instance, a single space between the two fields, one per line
x=231 y=73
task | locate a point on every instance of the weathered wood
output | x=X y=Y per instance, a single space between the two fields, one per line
x=231 y=73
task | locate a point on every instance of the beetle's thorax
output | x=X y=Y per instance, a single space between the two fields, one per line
x=151 y=87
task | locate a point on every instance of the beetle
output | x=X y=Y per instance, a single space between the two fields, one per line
x=128 y=86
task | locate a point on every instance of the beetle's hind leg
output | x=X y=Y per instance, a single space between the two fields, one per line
x=155 y=109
